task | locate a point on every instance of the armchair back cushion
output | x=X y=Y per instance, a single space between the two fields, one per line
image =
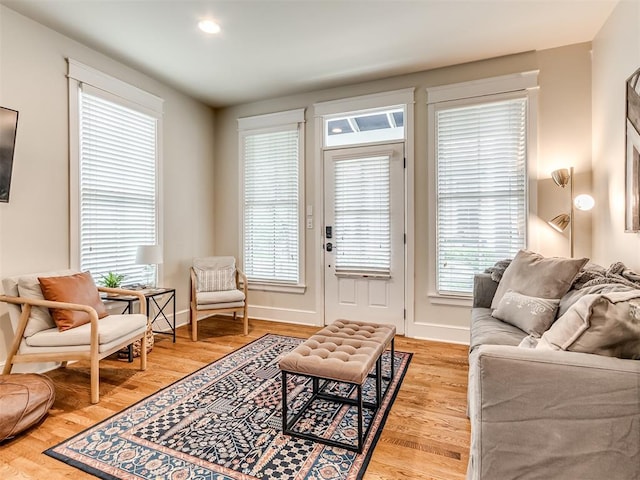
x=27 y=286
x=78 y=288
x=215 y=274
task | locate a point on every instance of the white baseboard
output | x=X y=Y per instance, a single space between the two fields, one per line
x=439 y=333
x=288 y=315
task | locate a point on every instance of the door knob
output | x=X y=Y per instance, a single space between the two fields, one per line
x=329 y=247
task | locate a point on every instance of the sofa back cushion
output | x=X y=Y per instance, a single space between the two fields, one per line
x=603 y=324
x=533 y=275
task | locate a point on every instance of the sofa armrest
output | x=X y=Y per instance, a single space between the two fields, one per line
x=484 y=288
x=553 y=414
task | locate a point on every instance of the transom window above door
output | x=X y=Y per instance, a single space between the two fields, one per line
x=379 y=125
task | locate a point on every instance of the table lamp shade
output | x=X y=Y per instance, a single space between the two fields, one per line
x=149 y=255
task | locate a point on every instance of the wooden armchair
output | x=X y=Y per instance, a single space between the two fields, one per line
x=217 y=286
x=37 y=338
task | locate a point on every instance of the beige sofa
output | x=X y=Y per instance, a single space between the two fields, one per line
x=546 y=414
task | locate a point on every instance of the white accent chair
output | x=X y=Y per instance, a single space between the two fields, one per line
x=37 y=338
x=217 y=286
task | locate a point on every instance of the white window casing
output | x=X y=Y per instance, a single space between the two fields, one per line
x=480 y=146
x=272 y=235
x=115 y=156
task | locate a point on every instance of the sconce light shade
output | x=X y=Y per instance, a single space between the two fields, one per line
x=561 y=177
x=584 y=202
x=149 y=255
x=560 y=222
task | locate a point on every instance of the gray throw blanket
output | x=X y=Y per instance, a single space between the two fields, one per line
x=498 y=269
x=588 y=276
x=616 y=273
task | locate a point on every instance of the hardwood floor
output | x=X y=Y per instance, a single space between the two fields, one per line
x=426 y=435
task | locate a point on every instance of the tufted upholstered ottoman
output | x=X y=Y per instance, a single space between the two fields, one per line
x=346 y=352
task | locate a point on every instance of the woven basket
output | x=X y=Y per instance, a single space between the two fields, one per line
x=124 y=353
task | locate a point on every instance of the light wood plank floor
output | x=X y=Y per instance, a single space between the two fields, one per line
x=426 y=435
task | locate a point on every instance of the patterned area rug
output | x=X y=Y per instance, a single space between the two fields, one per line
x=224 y=422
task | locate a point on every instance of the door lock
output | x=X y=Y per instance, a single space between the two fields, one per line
x=329 y=247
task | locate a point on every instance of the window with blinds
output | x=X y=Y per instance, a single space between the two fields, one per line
x=271 y=205
x=118 y=198
x=481 y=189
x=362 y=223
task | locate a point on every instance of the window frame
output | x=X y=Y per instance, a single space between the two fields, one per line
x=117 y=91
x=521 y=85
x=271 y=122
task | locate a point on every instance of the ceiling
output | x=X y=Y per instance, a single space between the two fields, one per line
x=269 y=48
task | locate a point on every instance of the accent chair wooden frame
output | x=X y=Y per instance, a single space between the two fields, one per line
x=92 y=351
x=241 y=278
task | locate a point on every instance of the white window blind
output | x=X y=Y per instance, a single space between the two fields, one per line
x=118 y=199
x=481 y=189
x=271 y=205
x=362 y=216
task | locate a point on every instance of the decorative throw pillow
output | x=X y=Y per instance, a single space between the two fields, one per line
x=78 y=288
x=599 y=323
x=530 y=314
x=534 y=275
x=216 y=280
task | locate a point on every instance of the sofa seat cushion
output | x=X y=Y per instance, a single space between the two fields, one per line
x=110 y=329
x=487 y=330
x=225 y=296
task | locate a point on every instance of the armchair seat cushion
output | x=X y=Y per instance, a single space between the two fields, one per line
x=111 y=328
x=225 y=296
x=219 y=306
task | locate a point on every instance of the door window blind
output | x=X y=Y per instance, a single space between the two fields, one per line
x=362 y=216
x=271 y=205
x=481 y=189
x=118 y=161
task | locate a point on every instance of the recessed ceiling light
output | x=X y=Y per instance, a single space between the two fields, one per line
x=336 y=130
x=209 y=26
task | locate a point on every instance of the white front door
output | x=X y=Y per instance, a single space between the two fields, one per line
x=364 y=234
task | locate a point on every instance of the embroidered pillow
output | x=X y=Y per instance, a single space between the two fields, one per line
x=530 y=314
x=78 y=288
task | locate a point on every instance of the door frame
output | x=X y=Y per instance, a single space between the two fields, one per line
x=405 y=97
x=395 y=152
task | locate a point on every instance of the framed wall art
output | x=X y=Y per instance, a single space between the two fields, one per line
x=632 y=167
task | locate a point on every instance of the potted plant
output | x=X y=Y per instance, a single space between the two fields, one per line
x=112 y=280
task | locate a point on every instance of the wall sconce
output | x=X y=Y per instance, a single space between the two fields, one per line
x=563 y=177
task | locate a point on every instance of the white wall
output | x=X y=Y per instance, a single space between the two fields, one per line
x=564 y=140
x=34 y=225
x=616 y=55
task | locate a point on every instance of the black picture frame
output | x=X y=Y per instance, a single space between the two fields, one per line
x=8 y=129
x=632 y=152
